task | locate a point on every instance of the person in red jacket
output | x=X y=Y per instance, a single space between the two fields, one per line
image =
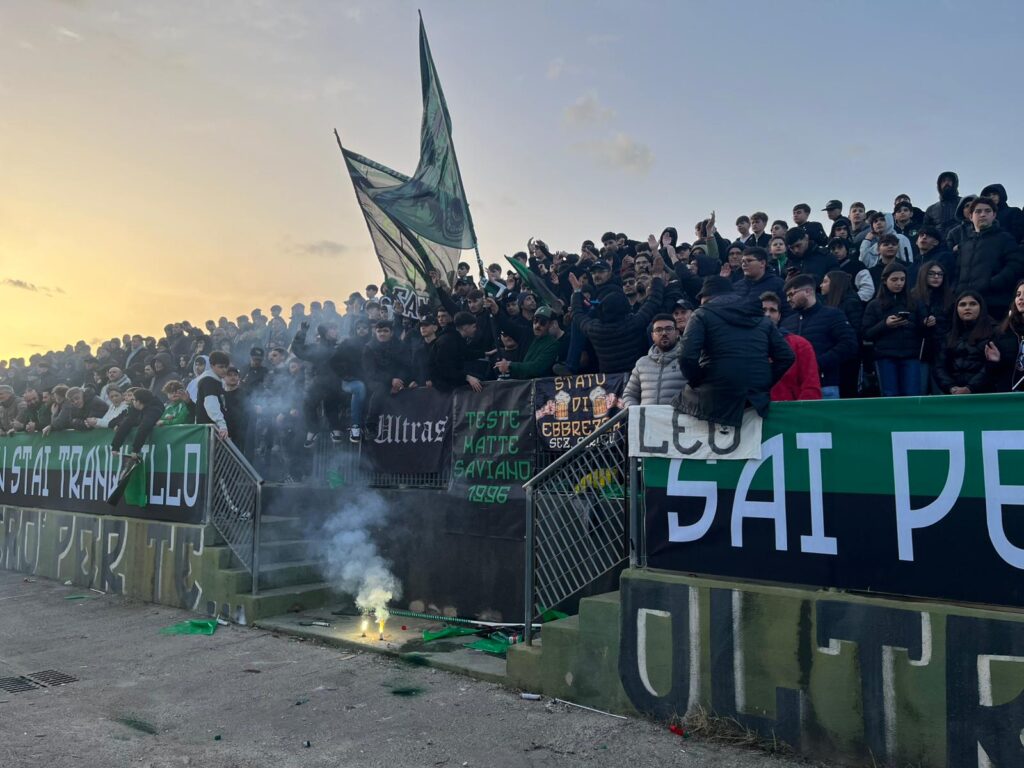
x=802 y=381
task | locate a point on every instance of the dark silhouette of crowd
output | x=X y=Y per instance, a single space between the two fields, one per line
x=900 y=301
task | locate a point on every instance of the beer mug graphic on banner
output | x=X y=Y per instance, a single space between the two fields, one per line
x=562 y=400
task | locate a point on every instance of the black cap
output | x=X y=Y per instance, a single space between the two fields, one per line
x=795 y=235
x=831 y=204
x=683 y=304
x=600 y=265
x=716 y=285
x=428 y=320
x=256 y=352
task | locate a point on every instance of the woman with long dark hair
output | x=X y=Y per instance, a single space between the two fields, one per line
x=1009 y=348
x=893 y=322
x=839 y=292
x=961 y=367
x=933 y=292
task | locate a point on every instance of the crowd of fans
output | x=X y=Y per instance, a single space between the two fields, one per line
x=883 y=302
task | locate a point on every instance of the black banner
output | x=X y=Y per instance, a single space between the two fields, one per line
x=493 y=442
x=569 y=408
x=412 y=432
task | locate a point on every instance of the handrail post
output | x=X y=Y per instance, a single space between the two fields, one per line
x=635 y=516
x=257 y=513
x=528 y=579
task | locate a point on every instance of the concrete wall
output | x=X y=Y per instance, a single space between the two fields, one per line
x=159 y=562
x=837 y=676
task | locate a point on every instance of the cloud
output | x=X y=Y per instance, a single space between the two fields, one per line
x=24 y=285
x=555 y=68
x=621 y=151
x=587 y=110
x=320 y=248
x=71 y=34
x=354 y=13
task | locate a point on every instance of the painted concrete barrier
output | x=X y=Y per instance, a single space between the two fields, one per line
x=154 y=561
x=837 y=676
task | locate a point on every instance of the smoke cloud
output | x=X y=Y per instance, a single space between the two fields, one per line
x=352 y=562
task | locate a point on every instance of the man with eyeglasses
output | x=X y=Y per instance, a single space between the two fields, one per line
x=827 y=328
x=542 y=353
x=756 y=277
x=656 y=377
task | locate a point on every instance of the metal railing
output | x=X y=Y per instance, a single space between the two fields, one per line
x=577 y=511
x=236 y=503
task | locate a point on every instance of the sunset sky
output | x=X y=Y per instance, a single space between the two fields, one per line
x=175 y=160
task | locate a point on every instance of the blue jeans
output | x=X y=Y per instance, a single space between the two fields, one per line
x=357 y=389
x=899 y=376
x=830 y=393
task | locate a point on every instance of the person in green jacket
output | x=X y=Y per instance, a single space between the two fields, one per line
x=177 y=410
x=541 y=354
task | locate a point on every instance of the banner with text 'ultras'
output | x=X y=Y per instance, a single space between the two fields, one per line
x=77 y=472
x=907 y=496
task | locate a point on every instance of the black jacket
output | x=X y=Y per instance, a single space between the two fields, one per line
x=347 y=358
x=752 y=289
x=816 y=232
x=384 y=362
x=145 y=420
x=830 y=334
x=903 y=342
x=943 y=214
x=448 y=357
x=990 y=262
x=732 y=354
x=1009 y=218
x=815 y=261
x=318 y=353
x=964 y=365
x=619 y=338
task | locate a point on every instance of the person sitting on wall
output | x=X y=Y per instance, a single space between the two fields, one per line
x=732 y=355
x=142 y=416
x=449 y=354
x=657 y=378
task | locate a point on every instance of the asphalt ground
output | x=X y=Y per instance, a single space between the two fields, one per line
x=245 y=698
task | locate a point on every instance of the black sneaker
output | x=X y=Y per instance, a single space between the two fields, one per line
x=310 y=440
x=336 y=436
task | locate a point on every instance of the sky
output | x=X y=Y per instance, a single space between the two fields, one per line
x=166 y=161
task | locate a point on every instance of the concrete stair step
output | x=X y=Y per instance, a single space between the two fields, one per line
x=290 y=574
x=286 y=550
x=280 y=527
x=279 y=600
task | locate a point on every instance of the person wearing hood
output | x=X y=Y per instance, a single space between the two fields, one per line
x=1009 y=218
x=943 y=214
x=805 y=256
x=199 y=366
x=657 y=378
x=612 y=329
x=209 y=398
x=958 y=233
x=881 y=225
x=989 y=261
x=731 y=355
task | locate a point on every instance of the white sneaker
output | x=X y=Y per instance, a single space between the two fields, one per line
x=355 y=434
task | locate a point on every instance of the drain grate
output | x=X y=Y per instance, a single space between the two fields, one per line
x=18 y=684
x=51 y=678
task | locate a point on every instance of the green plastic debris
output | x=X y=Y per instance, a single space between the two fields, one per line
x=496 y=645
x=552 y=615
x=77 y=597
x=335 y=479
x=448 y=631
x=191 y=627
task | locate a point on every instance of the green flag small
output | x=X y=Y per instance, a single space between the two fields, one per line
x=537 y=286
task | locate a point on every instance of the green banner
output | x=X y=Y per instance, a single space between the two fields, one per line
x=910 y=496
x=77 y=472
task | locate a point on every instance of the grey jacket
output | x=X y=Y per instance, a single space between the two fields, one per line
x=656 y=378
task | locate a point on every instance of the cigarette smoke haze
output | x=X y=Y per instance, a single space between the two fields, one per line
x=352 y=562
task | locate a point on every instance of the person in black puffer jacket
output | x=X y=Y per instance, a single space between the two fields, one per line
x=619 y=338
x=732 y=355
x=961 y=367
x=895 y=324
x=933 y=292
x=1010 y=219
x=990 y=261
x=942 y=214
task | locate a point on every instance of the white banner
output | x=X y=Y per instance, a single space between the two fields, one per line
x=661 y=432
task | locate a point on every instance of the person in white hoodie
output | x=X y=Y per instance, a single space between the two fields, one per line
x=882 y=224
x=209 y=398
x=118 y=405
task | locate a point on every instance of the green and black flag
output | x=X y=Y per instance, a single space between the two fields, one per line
x=420 y=222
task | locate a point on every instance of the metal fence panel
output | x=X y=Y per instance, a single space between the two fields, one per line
x=235 y=497
x=577 y=511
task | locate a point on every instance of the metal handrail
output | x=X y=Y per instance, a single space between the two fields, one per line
x=577 y=449
x=576 y=550
x=251 y=558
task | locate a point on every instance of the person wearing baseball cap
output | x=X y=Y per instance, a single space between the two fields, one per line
x=833 y=209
